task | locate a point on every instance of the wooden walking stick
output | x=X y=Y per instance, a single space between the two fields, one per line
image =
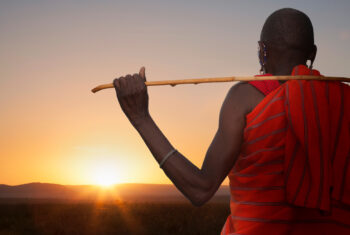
x=228 y=79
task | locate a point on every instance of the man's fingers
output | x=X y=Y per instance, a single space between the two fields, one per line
x=142 y=73
x=137 y=78
x=130 y=83
x=116 y=83
x=123 y=85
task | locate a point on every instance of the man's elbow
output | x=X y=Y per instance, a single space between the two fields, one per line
x=200 y=198
x=198 y=203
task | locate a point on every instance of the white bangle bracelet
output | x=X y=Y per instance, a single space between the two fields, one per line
x=166 y=157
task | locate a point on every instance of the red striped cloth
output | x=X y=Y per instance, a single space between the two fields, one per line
x=267 y=86
x=293 y=176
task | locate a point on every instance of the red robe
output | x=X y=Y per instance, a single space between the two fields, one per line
x=293 y=172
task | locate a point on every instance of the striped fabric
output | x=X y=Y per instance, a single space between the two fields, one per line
x=265 y=87
x=293 y=176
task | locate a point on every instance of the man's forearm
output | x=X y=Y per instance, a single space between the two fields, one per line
x=187 y=177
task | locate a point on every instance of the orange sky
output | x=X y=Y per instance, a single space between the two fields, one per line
x=53 y=129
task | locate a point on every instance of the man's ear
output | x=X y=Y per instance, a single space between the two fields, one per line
x=312 y=54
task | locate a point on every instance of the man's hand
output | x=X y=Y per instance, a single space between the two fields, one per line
x=133 y=96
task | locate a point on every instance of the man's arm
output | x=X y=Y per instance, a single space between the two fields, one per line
x=198 y=185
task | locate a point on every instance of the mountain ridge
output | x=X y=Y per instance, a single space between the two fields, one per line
x=120 y=192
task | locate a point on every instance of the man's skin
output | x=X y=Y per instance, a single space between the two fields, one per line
x=199 y=185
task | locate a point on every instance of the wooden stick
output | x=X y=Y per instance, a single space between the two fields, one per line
x=228 y=79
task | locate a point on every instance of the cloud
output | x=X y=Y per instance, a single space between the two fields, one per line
x=92 y=149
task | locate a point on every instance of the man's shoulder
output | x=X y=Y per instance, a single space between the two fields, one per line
x=245 y=96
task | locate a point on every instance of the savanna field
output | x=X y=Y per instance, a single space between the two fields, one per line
x=39 y=217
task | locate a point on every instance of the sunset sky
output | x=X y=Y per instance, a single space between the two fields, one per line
x=53 y=129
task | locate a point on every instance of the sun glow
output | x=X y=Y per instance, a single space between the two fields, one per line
x=105 y=175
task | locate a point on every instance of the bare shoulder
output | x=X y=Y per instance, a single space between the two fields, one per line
x=244 y=97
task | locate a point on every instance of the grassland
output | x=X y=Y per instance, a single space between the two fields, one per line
x=111 y=218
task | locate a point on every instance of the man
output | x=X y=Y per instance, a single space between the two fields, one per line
x=281 y=183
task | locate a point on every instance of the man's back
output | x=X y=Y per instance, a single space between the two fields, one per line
x=284 y=181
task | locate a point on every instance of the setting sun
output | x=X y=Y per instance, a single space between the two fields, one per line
x=105 y=175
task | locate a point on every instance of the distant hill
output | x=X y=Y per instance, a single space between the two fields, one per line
x=121 y=192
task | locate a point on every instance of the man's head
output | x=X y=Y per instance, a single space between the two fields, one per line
x=286 y=40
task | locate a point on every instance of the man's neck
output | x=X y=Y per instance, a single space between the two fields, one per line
x=284 y=70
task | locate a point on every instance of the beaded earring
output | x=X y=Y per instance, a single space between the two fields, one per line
x=262 y=60
x=311 y=64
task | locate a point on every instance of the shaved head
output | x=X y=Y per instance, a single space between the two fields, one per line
x=289 y=39
x=288 y=27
